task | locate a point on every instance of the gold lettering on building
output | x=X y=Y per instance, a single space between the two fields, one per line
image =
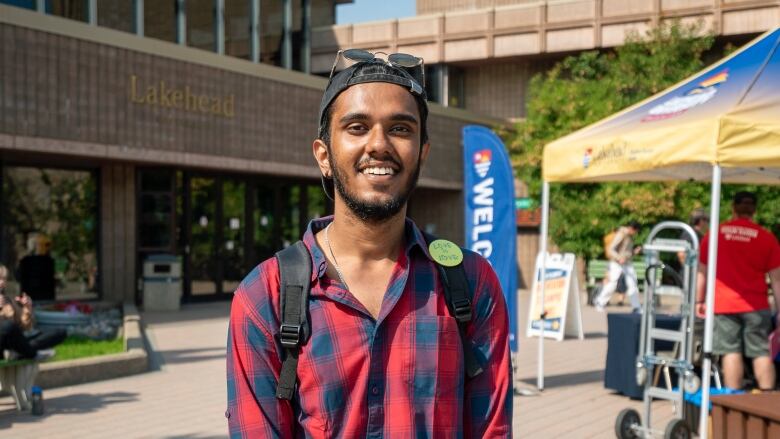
x=161 y=94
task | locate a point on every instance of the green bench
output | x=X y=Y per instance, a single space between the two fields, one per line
x=17 y=378
x=597 y=270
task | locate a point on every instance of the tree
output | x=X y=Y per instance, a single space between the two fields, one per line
x=60 y=204
x=585 y=88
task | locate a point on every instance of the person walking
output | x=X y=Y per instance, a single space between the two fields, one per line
x=747 y=253
x=383 y=355
x=620 y=253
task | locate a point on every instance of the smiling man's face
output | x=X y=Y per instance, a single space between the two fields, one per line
x=375 y=154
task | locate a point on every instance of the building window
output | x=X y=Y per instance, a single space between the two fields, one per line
x=200 y=24
x=160 y=20
x=73 y=9
x=434 y=83
x=237 y=28
x=456 y=80
x=26 y=4
x=156 y=210
x=116 y=14
x=271 y=30
x=50 y=232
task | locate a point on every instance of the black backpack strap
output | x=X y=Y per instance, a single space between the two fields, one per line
x=295 y=281
x=458 y=295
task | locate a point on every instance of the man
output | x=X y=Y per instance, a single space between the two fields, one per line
x=36 y=270
x=384 y=357
x=700 y=222
x=620 y=253
x=746 y=254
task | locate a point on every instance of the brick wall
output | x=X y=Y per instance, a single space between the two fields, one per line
x=434 y=6
x=500 y=89
x=56 y=87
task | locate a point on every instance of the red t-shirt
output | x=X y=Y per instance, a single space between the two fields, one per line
x=746 y=252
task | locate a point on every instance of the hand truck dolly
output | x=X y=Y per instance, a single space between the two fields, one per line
x=650 y=363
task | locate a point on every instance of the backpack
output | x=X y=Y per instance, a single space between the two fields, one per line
x=608 y=238
x=295 y=281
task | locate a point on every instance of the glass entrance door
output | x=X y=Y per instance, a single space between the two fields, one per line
x=202 y=249
x=215 y=251
x=229 y=224
x=233 y=249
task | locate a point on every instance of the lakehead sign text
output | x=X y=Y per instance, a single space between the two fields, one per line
x=160 y=94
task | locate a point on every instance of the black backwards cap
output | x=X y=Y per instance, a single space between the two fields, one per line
x=377 y=70
x=362 y=72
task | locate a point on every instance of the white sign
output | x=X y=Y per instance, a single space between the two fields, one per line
x=561 y=287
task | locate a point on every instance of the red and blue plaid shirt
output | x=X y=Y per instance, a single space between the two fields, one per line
x=399 y=375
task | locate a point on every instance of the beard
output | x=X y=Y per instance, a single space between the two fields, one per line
x=374 y=211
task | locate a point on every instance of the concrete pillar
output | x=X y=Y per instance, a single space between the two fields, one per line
x=92 y=12
x=287 y=35
x=181 y=22
x=254 y=30
x=117 y=232
x=306 y=32
x=219 y=26
x=138 y=17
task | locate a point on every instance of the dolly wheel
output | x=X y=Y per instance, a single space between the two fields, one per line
x=626 y=420
x=677 y=429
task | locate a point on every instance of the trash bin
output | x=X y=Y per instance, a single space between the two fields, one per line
x=692 y=406
x=162 y=283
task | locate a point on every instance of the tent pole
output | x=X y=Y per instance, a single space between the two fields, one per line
x=712 y=259
x=542 y=280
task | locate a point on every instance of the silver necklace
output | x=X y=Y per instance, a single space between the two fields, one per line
x=335 y=264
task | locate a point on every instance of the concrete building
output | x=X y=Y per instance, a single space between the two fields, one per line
x=131 y=128
x=481 y=54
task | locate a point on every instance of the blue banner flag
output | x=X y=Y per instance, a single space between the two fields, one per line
x=489 y=192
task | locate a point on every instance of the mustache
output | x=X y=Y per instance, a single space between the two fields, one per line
x=372 y=161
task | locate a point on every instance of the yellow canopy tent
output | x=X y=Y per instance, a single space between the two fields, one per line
x=721 y=125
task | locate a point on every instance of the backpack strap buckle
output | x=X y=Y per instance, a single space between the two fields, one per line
x=290 y=335
x=462 y=310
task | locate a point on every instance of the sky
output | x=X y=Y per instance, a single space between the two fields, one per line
x=371 y=10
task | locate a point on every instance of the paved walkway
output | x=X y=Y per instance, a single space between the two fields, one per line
x=575 y=403
x=185 y=396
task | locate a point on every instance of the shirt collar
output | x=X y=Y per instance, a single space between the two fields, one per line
x=415 y=238
x=412 y=234
x=319 y=263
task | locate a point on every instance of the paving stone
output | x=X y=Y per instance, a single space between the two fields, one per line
x=186 y=397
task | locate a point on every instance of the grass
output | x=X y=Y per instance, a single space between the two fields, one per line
x=80 y=347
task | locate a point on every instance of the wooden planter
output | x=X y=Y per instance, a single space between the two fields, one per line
x=746 y=416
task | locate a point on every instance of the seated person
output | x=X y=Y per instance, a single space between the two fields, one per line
x=17 y=331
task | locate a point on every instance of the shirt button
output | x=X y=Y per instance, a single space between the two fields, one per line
x=375 y=390
x=227 y=414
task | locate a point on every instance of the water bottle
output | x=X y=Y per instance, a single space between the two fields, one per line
x=37 y=401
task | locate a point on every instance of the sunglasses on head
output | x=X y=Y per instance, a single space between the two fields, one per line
x=413 y=65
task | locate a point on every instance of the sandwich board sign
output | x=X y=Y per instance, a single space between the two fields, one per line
x=561 y=299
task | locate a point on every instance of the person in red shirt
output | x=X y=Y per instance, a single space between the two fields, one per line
x=746 y=254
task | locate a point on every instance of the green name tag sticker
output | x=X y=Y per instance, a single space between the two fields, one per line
x=445 y=252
